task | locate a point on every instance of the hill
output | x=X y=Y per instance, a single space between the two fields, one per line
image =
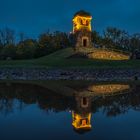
x=61 y=59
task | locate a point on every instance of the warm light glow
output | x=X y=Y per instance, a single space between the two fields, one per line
x=81 y=121
x=107 y=89
x=81 y=22
x=105 y=54
x=108 y=55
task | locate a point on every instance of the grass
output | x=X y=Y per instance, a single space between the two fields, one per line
x=60 y=59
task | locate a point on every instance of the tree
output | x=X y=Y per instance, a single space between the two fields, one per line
x=135 y=42
x=26 y=49
x=8 y=52
x=51 y=42
x=116 y=38
x=21 y=37
x=96 y=38
x=7 y=37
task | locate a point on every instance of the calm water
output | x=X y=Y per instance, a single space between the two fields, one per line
x=73 y=110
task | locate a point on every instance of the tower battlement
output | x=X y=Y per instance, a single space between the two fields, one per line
x=82 y=29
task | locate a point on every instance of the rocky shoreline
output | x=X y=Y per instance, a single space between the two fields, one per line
x=68 y=74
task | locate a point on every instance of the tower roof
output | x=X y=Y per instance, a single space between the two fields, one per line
x=82 y=13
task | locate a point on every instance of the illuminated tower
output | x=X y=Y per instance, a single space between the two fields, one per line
x=82 y=29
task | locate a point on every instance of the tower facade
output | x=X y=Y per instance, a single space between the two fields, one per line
x=82 y=29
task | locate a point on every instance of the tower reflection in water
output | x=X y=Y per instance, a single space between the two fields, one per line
x=81 y=116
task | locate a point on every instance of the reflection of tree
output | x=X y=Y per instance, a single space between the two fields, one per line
x=115 y=105
x=6 y=106
x=24 y=94
x=31 y=94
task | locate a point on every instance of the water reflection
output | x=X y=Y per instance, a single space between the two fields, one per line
x=82 y=114
x=82 y=99
x=109 y=88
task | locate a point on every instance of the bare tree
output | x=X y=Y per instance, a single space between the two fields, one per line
x=7 y=36
x=21 y=37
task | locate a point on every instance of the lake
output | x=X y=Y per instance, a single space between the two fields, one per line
x=69 y=110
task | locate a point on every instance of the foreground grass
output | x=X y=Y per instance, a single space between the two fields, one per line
x=60 y=59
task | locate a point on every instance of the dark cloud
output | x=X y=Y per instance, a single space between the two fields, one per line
x=36 y=16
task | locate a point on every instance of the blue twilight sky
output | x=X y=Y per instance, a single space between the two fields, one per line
x=35 y=16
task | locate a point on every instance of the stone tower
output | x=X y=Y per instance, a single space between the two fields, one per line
x=82 y=29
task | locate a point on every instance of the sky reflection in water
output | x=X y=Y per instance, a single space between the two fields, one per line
x=37 y=111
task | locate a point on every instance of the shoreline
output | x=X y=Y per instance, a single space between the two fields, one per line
x=69 y=74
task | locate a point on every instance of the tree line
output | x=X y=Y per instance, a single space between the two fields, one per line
x=48 y=42
x=117 y=39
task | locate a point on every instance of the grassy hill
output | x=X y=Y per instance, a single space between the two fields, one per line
x=60 y=59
